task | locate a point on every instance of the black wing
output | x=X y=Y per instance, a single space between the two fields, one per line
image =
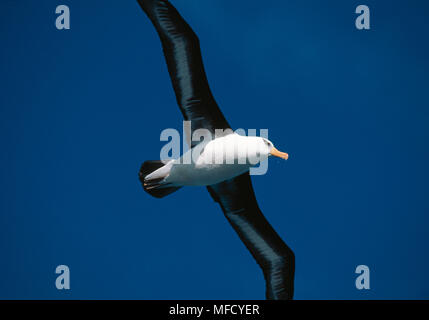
x=236 y=196
x=185 y=65
x=238 y=202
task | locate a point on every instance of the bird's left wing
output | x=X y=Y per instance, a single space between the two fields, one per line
x=182 y=52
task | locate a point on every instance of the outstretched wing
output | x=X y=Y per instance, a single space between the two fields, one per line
x=183 y=55
x=277 y=261
x=235 y=196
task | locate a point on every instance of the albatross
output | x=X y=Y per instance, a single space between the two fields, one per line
x=227 y=180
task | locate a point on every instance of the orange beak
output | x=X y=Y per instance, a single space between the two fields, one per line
x=279 y=154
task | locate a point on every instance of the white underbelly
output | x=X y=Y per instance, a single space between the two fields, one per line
x=192 y=175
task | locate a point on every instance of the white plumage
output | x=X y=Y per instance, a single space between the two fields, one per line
x=218 y=160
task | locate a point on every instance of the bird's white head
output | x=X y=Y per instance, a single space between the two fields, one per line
x=251 y=149
x=270 y=150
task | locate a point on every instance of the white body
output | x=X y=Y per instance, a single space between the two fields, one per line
x=218 y=160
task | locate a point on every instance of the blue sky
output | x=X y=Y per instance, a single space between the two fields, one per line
x=82 y=108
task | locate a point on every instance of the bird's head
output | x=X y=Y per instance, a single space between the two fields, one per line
x=269 y=148
x=255 y=149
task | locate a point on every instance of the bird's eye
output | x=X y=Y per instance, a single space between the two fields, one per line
x=267 y=143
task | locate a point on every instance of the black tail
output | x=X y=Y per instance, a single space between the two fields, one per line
x=156 y=187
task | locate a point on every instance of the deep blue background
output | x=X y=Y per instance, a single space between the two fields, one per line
x=81 y=109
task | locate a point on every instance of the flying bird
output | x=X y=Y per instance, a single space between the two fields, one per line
x=228 y=180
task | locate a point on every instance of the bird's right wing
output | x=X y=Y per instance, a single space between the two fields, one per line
x=238 y=202
x=182 y=52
